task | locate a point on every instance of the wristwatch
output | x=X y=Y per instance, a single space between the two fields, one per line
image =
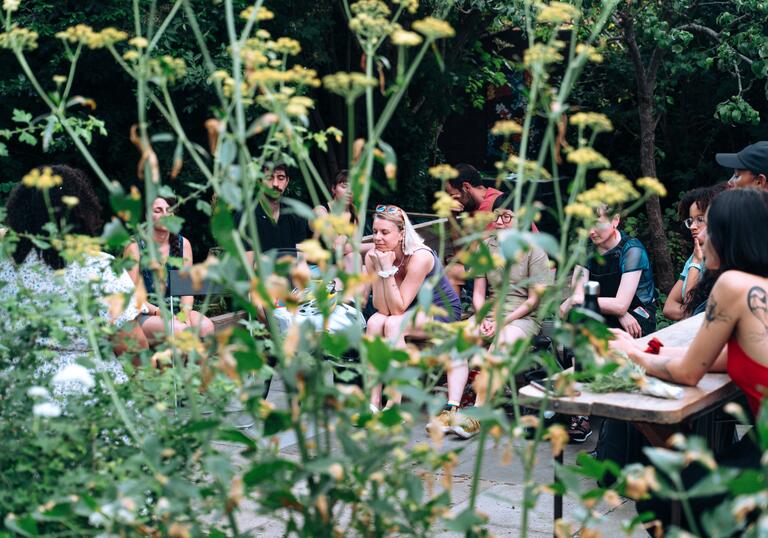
x=386 y=273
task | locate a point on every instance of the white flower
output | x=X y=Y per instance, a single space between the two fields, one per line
x=11 y=5
x=38 y=392
x=74 y=373
x=46 y=409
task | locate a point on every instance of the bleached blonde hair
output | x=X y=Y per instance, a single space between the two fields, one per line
x=412 y=241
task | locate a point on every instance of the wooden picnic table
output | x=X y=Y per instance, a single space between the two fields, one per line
x=656 y=418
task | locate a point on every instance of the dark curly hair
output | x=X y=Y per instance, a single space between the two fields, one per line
x=702 y=197
x=27 y=212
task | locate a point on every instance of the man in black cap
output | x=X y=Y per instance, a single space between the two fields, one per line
x=750 y=166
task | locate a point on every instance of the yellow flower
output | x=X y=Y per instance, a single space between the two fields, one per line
x=70 y=201
x=168 y=68
x=219 y=75
x=348 y=85
x=332 y=225
x=285 y=45
x=506 y=128
x=314 y=251
x=76 y=247
x=541 y=54
x=443 y=172
x=59 y=79
x=187 y=342
x=588 y=157
x=262 y=15
x=530 y=168
x=445 y=205
x=433 y=28
x=139 y=42
x=405 y=38
x=652 y=186
x=19 y=37
x=590 y=52
x=41 y=180
x=11 y=5
x=131 y=55
x=558 y=438
x=557 y=13
x=598 y=122
x=411 y=5
x=580 y=211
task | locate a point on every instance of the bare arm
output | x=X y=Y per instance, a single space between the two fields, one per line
x=619 y=305
x=478 y=294
x=399 y=298
x=673 y=306
x=132 y=252
x=377 y=285
x=578 y=279
x=706 y=352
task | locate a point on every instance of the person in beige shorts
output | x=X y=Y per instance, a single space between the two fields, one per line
x=531 y=271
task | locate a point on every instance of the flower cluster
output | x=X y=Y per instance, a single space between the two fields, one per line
x=285 y=45
x=168 y=68
x=314 y=252
x=557 y=13
x=348 y=85
x=433 y=28
x=592 y=54
x=370 y=20
x=443 y=172
x=652 y=186
x=332 y=225
x=404 y=38
x=529 y=168
x=41 y=180
x=445 y=205
x=580 y=211
x=506 y=128
x=596 y=121
x=19 y=38
x=614 y=189
x=187 y=342
x=11 y=5
x=77 y=247
x=263 y=14
x=411 y=5
x=299 y=106
x=85 y=35
x=70 y=201
x=541 y=54
x=588 y=157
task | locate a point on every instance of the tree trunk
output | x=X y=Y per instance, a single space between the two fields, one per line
x=646 y=85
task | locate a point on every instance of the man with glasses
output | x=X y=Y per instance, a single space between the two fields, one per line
x=750 y=166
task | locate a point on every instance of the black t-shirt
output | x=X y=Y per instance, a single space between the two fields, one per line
x=287 y=232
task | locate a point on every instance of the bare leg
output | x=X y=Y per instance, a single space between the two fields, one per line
x=396 y=333
x=374 y=328
x=509 y=335
x=196 y=319
x=155 y=330
x=457 y=374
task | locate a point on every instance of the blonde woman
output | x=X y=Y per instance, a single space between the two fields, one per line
x=402 y=264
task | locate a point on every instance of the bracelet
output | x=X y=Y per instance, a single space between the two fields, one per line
x=386 y=273
x=697 y=266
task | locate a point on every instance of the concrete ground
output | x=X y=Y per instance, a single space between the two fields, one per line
x=500 y=489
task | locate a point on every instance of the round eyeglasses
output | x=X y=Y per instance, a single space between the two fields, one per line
x=699 y=220
x=506 y=218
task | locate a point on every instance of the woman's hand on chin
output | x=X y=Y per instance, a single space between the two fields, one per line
x=385 y=259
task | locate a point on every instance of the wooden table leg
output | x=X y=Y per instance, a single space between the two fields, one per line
x=558 y=506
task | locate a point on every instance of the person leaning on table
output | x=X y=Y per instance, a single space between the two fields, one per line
x=733 y=336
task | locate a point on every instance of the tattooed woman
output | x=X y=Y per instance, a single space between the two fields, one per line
x=734 y=333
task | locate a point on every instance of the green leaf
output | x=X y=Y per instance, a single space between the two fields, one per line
x=27 y=138
x=200 y=425
x=172 y=223
x=25 y=525
x=3 y=150
x=235 y=436
x=667 y=461
x=276 y=422
x=115 y=234
x=205 y=207
x=21 y=116
x=127 y=207
x=268 y=471
x=222 y=225
x=48 y=132
x=390 y=163
x=379 y=354
x=463 y=522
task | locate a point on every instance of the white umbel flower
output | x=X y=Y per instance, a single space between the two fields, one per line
x=46 y=409
x=74 y=374
x=38 y=392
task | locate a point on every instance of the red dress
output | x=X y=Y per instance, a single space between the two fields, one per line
x=748 y=374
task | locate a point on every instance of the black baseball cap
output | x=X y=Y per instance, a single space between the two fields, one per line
x=753 y=158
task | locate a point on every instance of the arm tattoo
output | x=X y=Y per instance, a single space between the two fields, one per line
x=757 y=301
x=712 y=314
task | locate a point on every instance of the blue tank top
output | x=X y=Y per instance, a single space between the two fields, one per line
x=443 y=294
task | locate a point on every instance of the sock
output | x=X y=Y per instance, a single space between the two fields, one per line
x=452 y=405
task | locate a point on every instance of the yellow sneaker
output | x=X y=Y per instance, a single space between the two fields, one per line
x=441 y=422
x=464 y=426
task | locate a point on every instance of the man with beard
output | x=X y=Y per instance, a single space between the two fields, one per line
x=282 y=229
x=467 y=189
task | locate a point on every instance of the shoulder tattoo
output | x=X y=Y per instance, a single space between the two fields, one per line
x=757 y=301
x=713 y=313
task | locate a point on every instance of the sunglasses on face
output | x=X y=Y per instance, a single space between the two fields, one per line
x=699 y=220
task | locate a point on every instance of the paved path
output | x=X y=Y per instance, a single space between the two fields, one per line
x=500 y=488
